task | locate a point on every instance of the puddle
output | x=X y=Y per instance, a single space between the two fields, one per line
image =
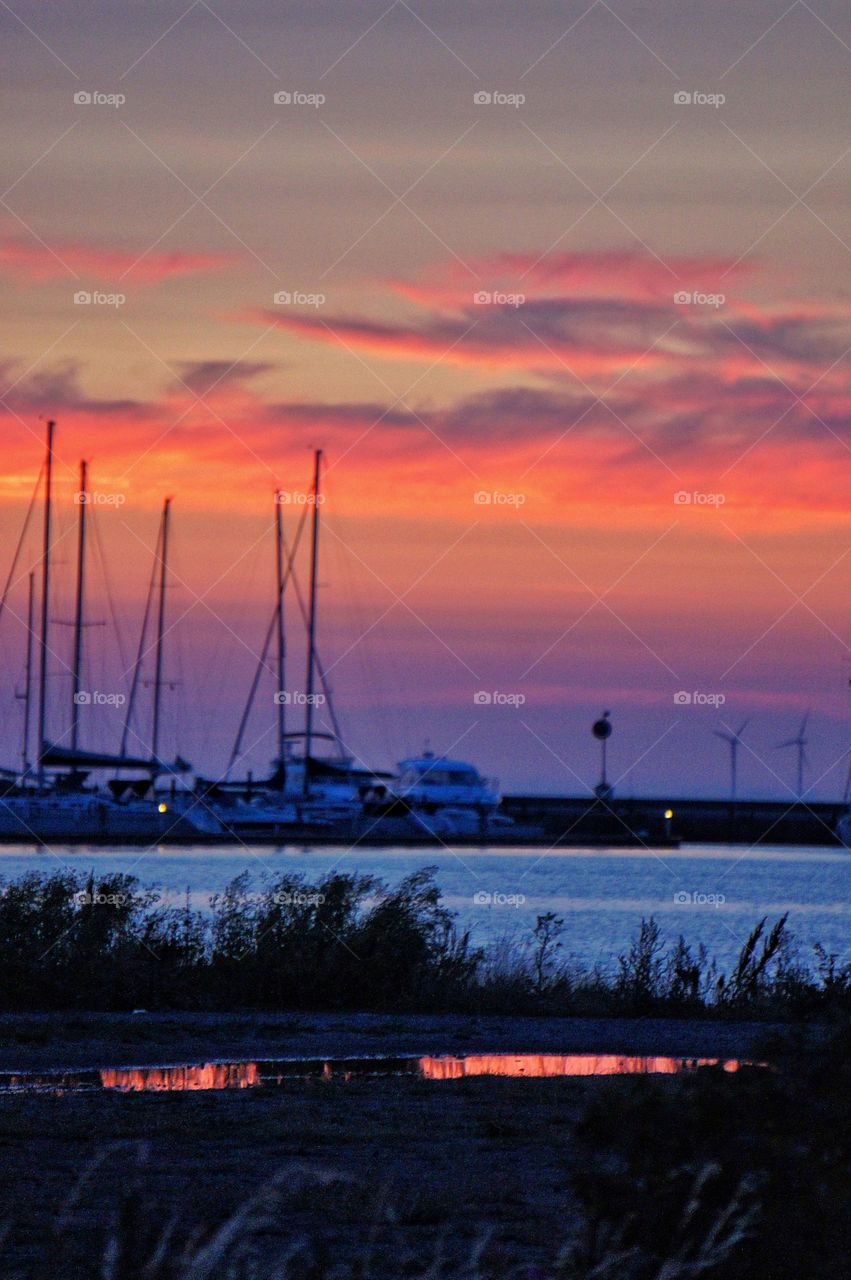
x=267 y=1073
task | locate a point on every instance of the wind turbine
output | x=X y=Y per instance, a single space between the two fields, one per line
x=801 y=743
x=735 y=740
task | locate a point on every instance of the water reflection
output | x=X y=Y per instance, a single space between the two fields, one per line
x=557 y=1064
x=208 y=1075
x=268 y=1073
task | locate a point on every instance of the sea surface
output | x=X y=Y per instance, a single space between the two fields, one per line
x=712 y=894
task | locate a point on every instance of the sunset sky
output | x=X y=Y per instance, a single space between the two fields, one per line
x=619 y=318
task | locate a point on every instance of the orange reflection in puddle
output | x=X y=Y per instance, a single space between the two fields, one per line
x=209 y=1075
x=245 y=1075
x=557 y=1064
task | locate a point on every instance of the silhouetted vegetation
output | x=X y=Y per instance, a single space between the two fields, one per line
x=718 y=1175
x=350 y=942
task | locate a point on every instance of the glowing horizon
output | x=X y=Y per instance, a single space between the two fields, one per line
x=579 y=368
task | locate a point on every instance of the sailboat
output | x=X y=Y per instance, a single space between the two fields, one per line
x=306 y=795
x=333 y=797
x=53 y=802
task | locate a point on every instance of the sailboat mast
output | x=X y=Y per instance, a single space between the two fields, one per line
x=25 y=745
x=311 y=626
x=158 y=675
x=282 y=651
x=77 y=665
x=45 y=597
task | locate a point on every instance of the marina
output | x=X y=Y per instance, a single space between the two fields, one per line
x=315 y=791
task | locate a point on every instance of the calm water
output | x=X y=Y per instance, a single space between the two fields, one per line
x=712 y=894
x=186 y=1077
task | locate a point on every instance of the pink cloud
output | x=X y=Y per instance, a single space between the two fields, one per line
x=608 y=273
x=33 y=261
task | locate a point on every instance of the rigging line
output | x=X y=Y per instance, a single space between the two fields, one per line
x=176 y=708
x=367 y=668
x=261 y=662
x=323 y=679
x=137 y=666
x=19 y=547
x=94 y=522
x=329 y=697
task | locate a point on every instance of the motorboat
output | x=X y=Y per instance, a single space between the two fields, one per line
x=435 y=797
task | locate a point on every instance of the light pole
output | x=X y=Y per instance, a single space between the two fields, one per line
x=602 y=731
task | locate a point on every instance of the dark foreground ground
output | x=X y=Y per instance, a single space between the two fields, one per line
x=714 y=1175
